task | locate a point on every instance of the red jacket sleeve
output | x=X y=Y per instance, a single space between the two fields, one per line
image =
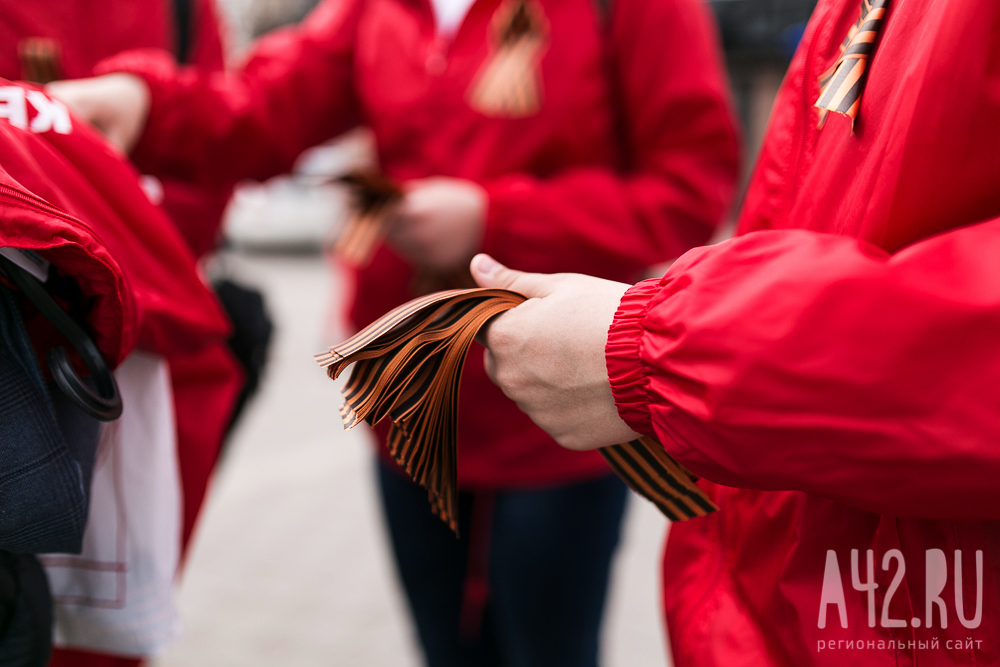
x=294 y=91
x=682 y=150
x=197 y=210
x=802 y=361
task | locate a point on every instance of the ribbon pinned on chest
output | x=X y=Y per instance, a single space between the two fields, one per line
x=408 y=367
x=41 y=59
x=509 y=83
x=841 y=86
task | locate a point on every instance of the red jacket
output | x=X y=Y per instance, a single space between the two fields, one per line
x=68 y=196
x=834 y=370
x=558 y=199
x=89 y=31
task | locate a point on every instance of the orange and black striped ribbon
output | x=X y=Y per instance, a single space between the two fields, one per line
x=841 y=86
x=374 y=195
x=656 y=476
x=408 y=367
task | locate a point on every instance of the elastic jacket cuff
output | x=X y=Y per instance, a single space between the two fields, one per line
x=623 y=356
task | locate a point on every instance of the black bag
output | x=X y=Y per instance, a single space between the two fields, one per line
x=45 y=465
x=48 y=441
x=47 y=449
x=25 y=612
x=251 y=338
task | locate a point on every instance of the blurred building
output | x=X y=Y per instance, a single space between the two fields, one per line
x=759 y=38
x=250 y=18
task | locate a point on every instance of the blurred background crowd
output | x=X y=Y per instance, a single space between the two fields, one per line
x=265 y=582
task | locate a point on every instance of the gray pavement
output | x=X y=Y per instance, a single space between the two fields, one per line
x=289 y=565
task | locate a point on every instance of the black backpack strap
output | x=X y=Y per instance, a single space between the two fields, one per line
x=603 y=10
x=183 y=23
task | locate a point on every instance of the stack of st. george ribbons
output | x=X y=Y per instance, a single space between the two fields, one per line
x=408 y=367
x=374 y=196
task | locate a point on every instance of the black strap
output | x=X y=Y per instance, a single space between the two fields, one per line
x=183 y=20
x=603 y=10
x=105 y=404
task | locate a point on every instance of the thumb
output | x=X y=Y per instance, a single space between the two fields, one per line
x=490 y=273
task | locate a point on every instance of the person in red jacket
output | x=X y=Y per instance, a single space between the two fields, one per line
x=559 y=136
x=831 y=373
x=44 y=41
x=65 y=39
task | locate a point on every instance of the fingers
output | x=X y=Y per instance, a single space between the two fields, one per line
x=483 y=338
x=489 y=362
x=411 y=205
x=490 y=273
x=406 y=231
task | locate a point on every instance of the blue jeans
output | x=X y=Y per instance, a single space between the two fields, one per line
x=547 y=556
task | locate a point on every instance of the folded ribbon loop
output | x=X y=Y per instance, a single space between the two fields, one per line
x=509 y=84
x=841 y=86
